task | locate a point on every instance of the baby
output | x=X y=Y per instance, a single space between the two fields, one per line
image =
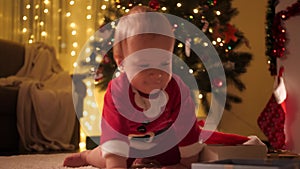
x=148 y=114
x=141 y=106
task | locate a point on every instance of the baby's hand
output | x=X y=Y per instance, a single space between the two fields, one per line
x=176 y=166
x=253 y=140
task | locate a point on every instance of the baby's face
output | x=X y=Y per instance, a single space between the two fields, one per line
x=148 y=61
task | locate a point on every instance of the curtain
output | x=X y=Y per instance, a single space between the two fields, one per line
x=64 y=24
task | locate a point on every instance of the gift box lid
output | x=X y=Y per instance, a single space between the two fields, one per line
x=221 y=152
x=249 y=164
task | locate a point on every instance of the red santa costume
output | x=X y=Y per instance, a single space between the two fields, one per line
x=130 y=132
x=165 y=133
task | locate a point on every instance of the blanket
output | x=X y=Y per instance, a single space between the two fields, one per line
x=45 y=110
x=36 y=161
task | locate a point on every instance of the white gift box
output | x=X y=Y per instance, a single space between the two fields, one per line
x=249 y=164
x=221 y=152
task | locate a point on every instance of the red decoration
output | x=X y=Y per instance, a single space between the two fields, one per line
x=217 y=82
x=278 y=30
x=154 y=4
x=230 y=33
x=215 y=2
x=212 y=2
x=225 y=138
x=106 y=59
x=205 y=26
x=220 y=137
x=227 y=33
x=271 y=122
x=99 y=74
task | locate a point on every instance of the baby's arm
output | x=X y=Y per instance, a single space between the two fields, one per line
x=115 y=161
x=88 y=157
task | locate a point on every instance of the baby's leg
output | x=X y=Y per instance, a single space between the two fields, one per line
x=89 y=157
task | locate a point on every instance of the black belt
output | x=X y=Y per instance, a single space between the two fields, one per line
x=148 y=137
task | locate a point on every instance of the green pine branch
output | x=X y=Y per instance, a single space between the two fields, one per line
x=213 y=18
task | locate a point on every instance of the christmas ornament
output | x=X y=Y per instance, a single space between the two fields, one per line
x=205 y=19
x=212 y=2
x=205 y=26
x=215 y=2
x=188 y=47
x=217 y=82
x=154 y=4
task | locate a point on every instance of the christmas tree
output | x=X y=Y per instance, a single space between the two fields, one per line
x=212 y=17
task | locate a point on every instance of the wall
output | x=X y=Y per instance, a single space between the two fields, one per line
x=291 y=78
x=251 y=20
x=242 y=118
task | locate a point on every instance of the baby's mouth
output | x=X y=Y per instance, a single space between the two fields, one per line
x=158 y=81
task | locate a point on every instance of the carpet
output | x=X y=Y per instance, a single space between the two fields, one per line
x=36 y=161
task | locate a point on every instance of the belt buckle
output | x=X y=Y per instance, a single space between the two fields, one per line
x=148 y=137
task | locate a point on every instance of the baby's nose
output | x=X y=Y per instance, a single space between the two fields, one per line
x=155 y=74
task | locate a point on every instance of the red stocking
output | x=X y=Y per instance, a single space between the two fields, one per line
x=271 y=122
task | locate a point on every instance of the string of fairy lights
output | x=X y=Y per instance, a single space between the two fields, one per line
x=67 y=25
x=59 y=23
x=33 y=21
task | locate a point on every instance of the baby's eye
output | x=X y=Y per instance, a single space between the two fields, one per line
x=144 y=65
x=165 y=64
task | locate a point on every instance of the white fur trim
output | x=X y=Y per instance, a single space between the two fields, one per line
x=191 y=150
x=280 y=92
x=115 y=147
